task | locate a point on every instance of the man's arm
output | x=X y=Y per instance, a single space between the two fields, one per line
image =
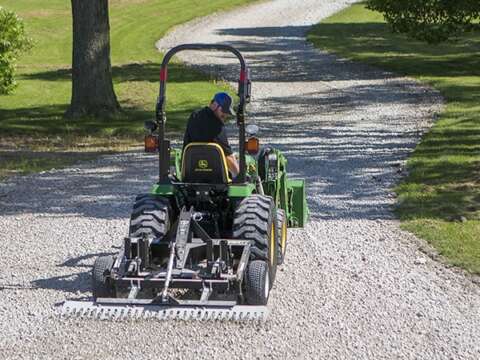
x=232 y=164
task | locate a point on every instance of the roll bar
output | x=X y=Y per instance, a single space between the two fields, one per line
x=244 y=89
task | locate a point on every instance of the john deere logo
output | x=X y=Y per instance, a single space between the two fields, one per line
x=202 y=164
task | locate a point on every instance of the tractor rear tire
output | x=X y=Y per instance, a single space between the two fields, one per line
x=257 y=283
x=282 y=235
x=101 y=286
x=150 y=216
x=255 y=219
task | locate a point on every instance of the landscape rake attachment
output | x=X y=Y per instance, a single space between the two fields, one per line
x=208 y=267
x=102 y=311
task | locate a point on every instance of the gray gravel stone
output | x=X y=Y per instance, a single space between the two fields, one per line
x=339 y=124
x=420 y=261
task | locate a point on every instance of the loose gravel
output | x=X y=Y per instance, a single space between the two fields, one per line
x=353 y=284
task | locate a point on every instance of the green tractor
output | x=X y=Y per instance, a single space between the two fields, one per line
x=200 y=244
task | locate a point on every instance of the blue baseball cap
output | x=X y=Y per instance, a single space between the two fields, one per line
x=225 y=102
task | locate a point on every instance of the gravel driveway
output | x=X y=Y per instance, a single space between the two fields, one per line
x=353 y=285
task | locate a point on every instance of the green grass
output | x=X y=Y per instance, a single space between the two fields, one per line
x=443 y=184
x=32 y=118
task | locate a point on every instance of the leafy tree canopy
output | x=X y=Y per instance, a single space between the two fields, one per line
x=433 y=21
x=13 y=41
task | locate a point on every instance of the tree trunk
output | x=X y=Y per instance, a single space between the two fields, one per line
x=92 y=87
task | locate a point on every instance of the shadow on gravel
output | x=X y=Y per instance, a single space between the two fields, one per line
x=105 y=190
x=350 y=164
x=74 y=282
x=278 y=54
x=345 y=180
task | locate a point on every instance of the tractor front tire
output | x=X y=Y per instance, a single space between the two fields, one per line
x=101 y=286
x=257 y=283
x=255 y=219
x=150 y=216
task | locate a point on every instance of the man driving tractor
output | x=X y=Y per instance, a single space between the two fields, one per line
x=208 y=125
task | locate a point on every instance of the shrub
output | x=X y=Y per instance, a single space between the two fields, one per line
x=433 y=21
x=13 y=41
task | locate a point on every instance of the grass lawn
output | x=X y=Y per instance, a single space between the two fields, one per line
x=440 y=199
x=31 y=120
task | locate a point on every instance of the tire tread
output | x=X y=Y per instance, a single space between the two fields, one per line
x=150 y=216
x=100 y=287
x=256 y=282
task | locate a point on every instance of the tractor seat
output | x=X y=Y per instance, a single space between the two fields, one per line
x=204 y=163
